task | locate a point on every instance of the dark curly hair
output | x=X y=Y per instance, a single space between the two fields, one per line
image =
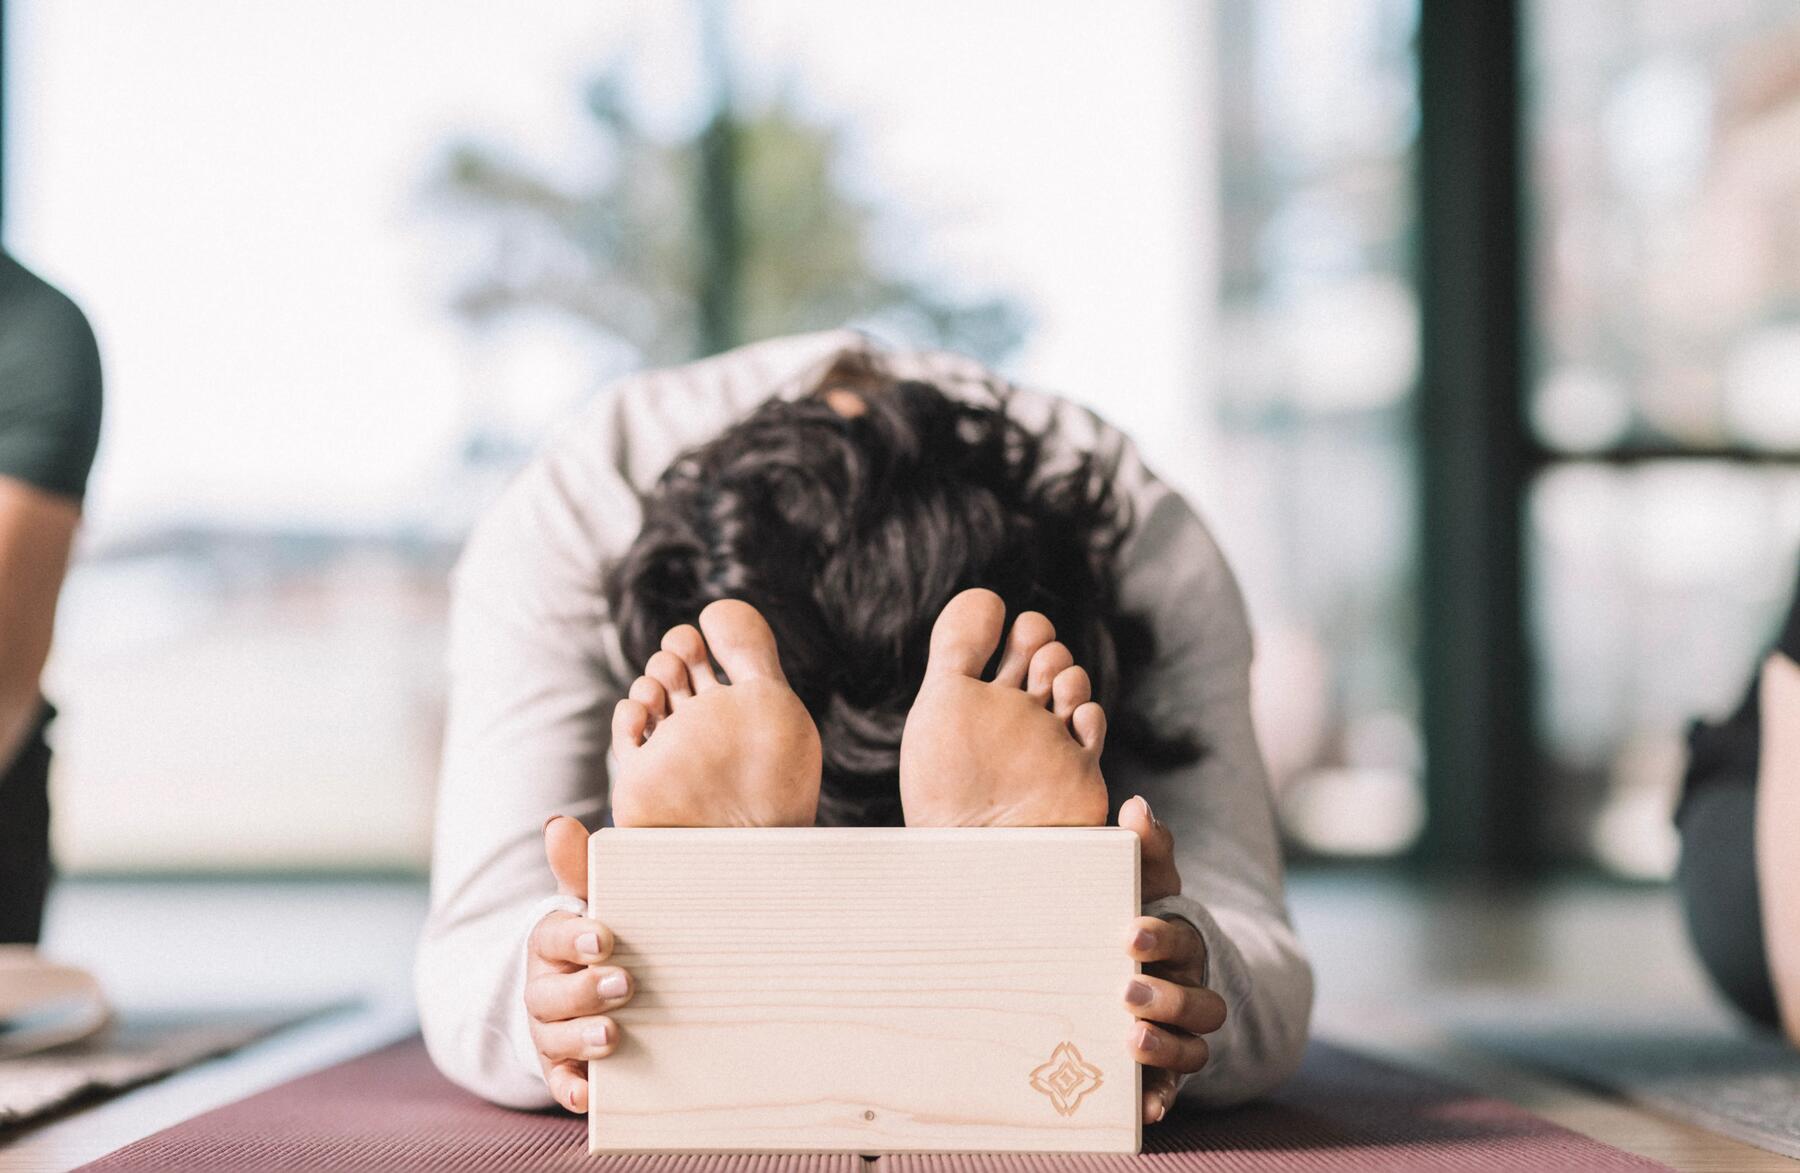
x=850 y=532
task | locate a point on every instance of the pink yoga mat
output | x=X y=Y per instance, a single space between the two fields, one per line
x=391 y=1111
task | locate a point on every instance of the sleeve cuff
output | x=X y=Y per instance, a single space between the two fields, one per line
x=1179 y=907
x=519 y=1022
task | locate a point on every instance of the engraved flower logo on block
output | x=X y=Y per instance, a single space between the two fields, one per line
x=1066 y=1078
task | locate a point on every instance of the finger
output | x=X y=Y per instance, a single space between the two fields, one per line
x=1159 y=1093
x=1030 y=632
x=1089 y=724
x=593 y=1037
x=1176 y=943
x=1158 y=876
x=567 y=941
x=558 y=997
x=1194 y=1009
x=566 y=846
x=567 y=1082
x=686 y=643
x=630 y=722
x=1051 y=659
x=668 y=670
x=1155 y=1047
x=1069 y=691
x=649 y=693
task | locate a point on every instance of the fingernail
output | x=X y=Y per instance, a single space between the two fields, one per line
x=1148 y=813
x=588 y=944
x=1137 y=993
x=1144 y=939
x=598 y=1036
x=612 y=984
x=1147 y=1040
x=574 y=1104
x=1162 y=1109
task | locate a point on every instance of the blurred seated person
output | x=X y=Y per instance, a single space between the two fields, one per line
x=1740 y=835
x=49 y=428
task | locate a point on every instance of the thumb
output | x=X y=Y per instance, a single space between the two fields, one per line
x=1156 y=850
x=565 y=846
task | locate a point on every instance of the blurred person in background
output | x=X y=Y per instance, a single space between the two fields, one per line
x=1740 y=842
x=49 y=429
x=910 y=572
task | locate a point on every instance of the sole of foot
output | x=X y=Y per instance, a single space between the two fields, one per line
x=695 y=750
x=1019 y=749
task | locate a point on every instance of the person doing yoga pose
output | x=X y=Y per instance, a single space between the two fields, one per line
x=1739 y=819
x=816 y=581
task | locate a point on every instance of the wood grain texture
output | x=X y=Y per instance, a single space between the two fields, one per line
x=868 y=990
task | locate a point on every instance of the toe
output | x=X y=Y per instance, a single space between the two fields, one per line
x=647 y=692
x=1051 y=659
x=1069 y=691
x=630 y=719
x=966 y=634
x=668 y=670
x=1030 y=632
x=741 y=641
x=1089 y=724
x=685 y=643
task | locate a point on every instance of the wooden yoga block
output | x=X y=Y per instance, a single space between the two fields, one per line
x=868 y=990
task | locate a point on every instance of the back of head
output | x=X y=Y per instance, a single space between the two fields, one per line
x=849 y=518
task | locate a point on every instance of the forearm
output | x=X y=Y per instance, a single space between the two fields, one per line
x=37 y=530
x=1778 y=831
x=20 y=708
x=470 y=983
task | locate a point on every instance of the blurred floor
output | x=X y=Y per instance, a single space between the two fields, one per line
x=158 y=944
x=1382 y=944
x=1405 y=970
x=1385 y=945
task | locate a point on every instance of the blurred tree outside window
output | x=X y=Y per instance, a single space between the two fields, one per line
x=683 y=248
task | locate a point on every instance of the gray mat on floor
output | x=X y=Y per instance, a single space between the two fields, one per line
x=136 y=1049
x=1735 y=1081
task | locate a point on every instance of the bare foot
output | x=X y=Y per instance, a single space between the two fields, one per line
x=696 y=751
x=1021 y=750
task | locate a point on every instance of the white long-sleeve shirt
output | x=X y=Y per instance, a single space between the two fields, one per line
x=535 y=669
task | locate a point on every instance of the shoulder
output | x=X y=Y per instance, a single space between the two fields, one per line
x=50 y=384
x=1171 y=570
x=578 y=503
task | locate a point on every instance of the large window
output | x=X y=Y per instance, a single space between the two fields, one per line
x=1319 y=353
x=345 y=284
x=1665 y=150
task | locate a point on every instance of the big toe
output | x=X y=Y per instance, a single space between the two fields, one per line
x=741 y=641
x=966 y=633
